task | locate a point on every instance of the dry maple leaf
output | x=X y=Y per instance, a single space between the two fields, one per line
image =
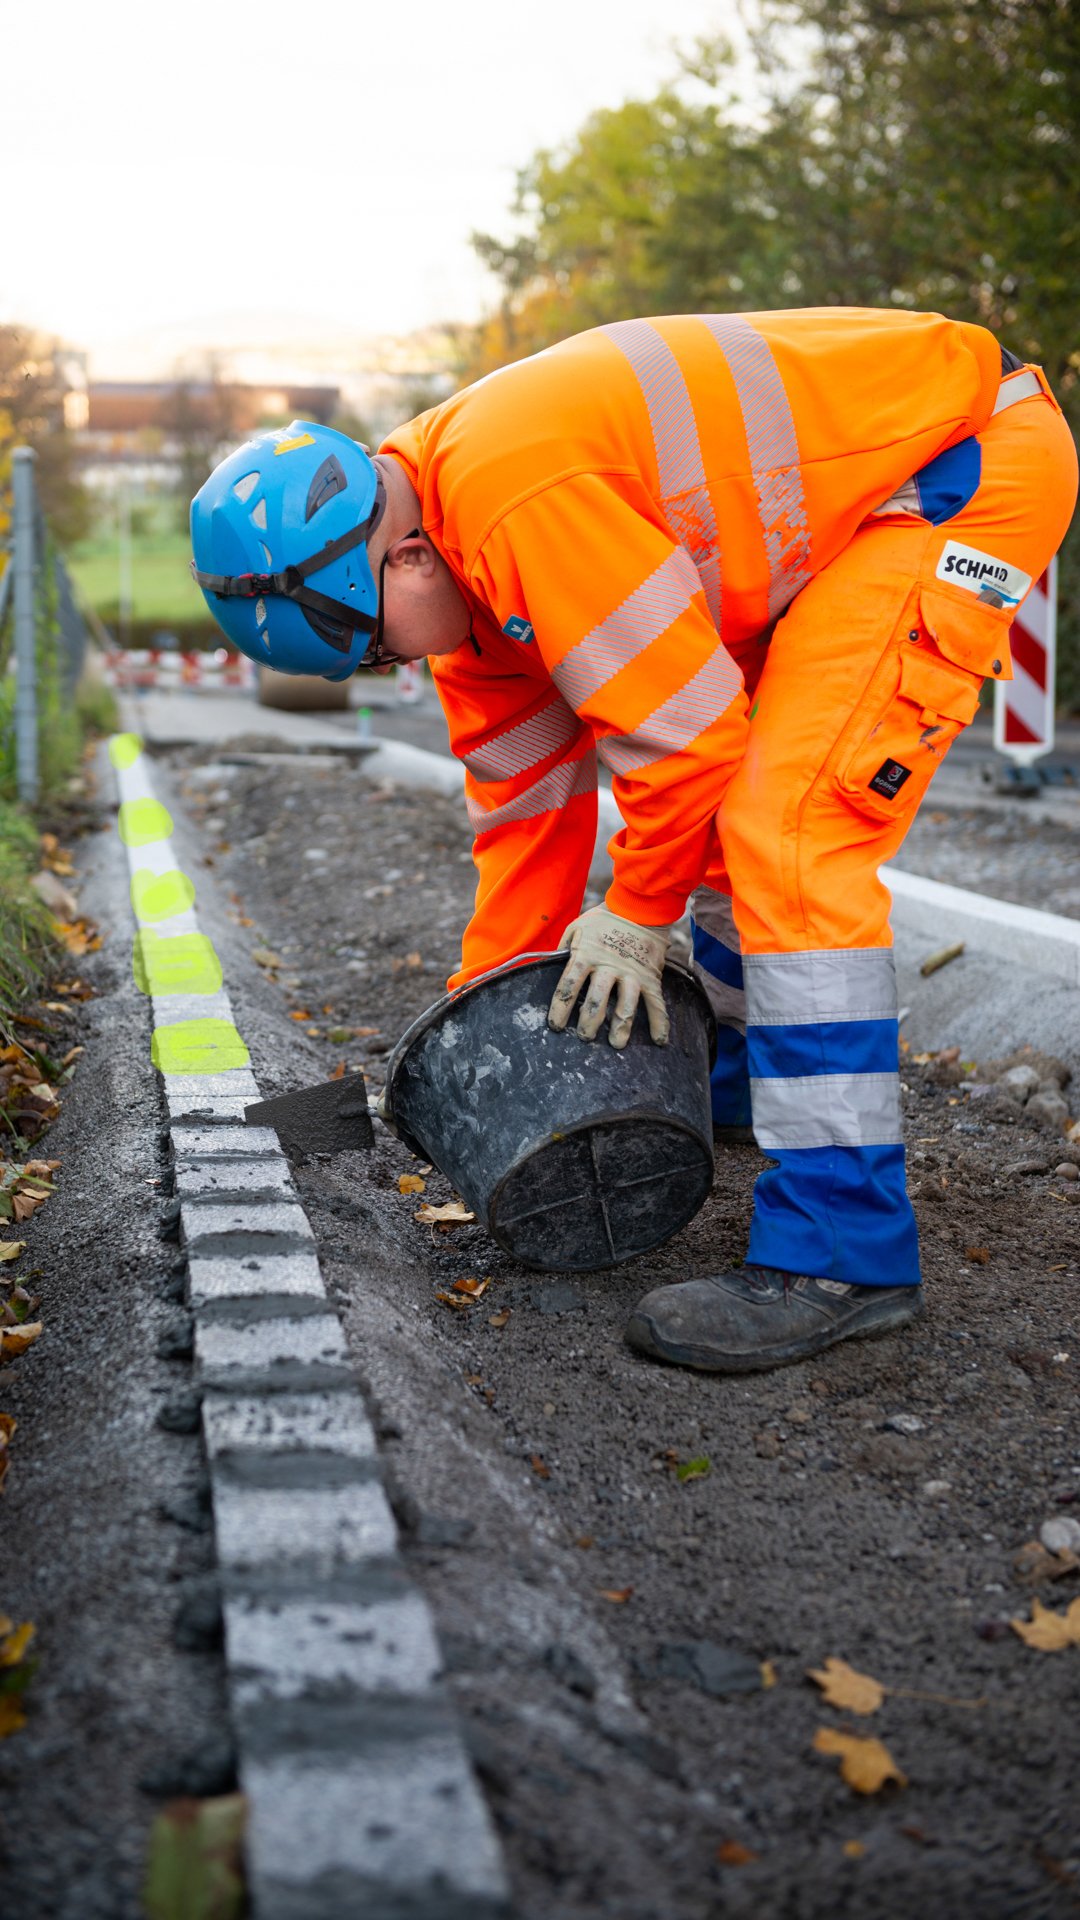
x=410 y=1183
x=866 y=1765
x=1047 y=1631
x=843 y=1687
x=454 y=1213
x=15 y=1340
x=473 y=1288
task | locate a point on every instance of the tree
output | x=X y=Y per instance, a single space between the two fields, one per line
x=32 y=389
x=910 y=153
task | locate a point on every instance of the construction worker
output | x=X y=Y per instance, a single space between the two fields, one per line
x=759 y=564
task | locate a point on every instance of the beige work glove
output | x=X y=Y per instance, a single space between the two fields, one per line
x=616 y=956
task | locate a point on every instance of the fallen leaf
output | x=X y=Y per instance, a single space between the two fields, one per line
x=449 y=1300
x=768 y=1675
x=585 y=1541
x=15 y=1642
x=11 y=1249
x=25 y=1204
x=195 y=1861
x=454 y=1213
x=866 y=1765
x=12 y=1717
x=410 y=1183
x=72 y=1054
x=413 y=960
x=617 y=1595
x=15 y=1340
x=698 y=1469
x=328 y=1009
x=299 y=1013
x=78 y=936
x=266 y=957
x=1047 y=1631
x=732 y=1853
x=339 y=1071
x=541 y=1471
x=979 y=1255
x=853 y=1849
x=473 y=1289
x=843 y=1687
x=499 y=1319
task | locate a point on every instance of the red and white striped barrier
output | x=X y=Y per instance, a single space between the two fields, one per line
x=160 y=669
x=1024 y=705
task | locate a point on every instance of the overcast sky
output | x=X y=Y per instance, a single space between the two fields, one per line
x=168 y=169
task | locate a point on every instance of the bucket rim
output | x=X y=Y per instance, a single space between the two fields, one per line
x=523 y=963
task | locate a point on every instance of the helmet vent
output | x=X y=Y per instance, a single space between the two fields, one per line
x=329 y=481
x=258 y=515
x=267 y=555
x=260 y=612
x=245 y=488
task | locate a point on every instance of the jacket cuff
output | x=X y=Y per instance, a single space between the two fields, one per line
x=645 y=910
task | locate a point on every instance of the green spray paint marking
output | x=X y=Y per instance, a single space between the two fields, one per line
x=124 y=750
x=143 y=821
x=177 y=963
x=198 y=1046
x=157 y=896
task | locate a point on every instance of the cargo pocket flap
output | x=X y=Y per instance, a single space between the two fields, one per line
x=973 y=635
x=934 y=685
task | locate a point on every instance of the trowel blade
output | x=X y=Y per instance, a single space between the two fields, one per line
x=331 y=1118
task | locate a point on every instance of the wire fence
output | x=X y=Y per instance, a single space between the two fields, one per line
x=43 y=643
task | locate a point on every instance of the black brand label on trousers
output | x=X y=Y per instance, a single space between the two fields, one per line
x=889 y=779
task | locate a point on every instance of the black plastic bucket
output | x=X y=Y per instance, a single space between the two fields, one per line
x=575 y=1156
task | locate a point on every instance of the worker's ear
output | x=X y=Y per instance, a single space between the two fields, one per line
x=413 y=553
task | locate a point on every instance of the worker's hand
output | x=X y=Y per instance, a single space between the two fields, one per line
x=613 y=955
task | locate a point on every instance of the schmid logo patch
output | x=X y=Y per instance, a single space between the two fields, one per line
x=889 y=779
x=981 y=574
x=519 y=628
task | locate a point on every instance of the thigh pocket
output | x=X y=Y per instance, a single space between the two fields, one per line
x=918 y=701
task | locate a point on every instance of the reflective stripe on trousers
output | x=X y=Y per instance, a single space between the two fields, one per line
x=823 y=1058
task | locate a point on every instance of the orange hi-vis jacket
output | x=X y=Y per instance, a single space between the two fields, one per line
x=627 y=512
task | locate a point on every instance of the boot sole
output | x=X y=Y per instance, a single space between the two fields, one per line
x=868 y=1324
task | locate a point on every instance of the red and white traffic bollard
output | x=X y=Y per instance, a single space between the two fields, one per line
x=1024 y=705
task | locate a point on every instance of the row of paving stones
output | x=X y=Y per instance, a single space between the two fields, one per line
x=360 y=1794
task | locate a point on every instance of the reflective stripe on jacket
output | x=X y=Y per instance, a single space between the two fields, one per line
x=626 y=511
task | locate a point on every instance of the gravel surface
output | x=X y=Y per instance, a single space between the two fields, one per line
x=999 y=850
x=629 y=1649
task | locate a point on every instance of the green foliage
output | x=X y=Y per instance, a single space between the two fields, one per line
x=32 y=388
x=910 y=153
x=25 y=940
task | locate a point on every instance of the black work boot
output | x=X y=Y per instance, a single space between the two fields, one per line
x=757 y=1317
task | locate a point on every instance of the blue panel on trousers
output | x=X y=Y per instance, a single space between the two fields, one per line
x=722 y=962
x=730 y=1080
x=838 y=1213
x=948 y=482
x=824 y=1046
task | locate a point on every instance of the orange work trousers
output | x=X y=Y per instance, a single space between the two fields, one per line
x=855 y=700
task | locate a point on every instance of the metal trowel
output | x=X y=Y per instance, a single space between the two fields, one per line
x=331 y=1118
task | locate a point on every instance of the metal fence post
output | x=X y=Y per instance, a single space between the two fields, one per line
x=22 y=561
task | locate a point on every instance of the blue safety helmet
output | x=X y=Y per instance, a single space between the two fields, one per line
x=279 y=533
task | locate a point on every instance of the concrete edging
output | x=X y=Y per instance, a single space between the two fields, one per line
x=361 y=1796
